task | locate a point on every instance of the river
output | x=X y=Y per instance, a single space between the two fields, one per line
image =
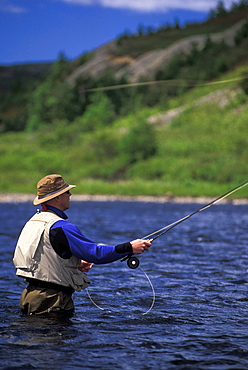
x=191 y=314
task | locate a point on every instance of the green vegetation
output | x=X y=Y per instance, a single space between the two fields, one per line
x=17 y=85
x=203 y=151
x=147 y=39
x=113 y=141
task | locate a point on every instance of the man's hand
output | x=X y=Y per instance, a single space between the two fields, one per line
x=85 y=266
x=140 y=245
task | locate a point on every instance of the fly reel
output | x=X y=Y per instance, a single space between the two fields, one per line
x=133 y=262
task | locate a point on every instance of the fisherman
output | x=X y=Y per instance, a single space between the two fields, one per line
x=54 y=256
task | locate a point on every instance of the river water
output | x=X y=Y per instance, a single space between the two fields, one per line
x=198 y=273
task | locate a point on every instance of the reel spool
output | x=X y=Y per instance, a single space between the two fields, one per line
x=133 y=262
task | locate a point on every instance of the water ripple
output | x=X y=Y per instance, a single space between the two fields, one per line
x=199 y=273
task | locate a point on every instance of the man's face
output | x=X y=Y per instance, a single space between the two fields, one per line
x=65 y=200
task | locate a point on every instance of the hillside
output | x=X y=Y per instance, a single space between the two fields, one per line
x=160 y=113
x=17 y=85
x=14 y=76
x=198 y=148
x=124 y=62
x=128 y=59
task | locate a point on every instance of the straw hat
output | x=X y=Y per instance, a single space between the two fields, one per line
x=50 y=187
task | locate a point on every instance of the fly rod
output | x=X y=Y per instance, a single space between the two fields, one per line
x=133 y=262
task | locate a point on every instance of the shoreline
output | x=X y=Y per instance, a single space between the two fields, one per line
x=22 y=198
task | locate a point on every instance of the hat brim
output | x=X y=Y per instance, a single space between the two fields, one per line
x=44 y=199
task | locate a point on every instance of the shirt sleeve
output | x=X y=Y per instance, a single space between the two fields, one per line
x=87 y=250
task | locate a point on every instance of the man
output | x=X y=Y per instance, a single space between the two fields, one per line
x=51 y=253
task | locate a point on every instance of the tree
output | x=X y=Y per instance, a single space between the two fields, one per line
x=100 y=112
x=141 y=30
x=59 y=68
x=39 y=110
x=221 y=10
x=244 y=83
x=139 y=143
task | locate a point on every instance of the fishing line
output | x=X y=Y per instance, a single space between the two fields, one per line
x=144 y=313
x=169 y=82
x=133 y=262
x=156 y=234
x=100 y=308
x=153 y=293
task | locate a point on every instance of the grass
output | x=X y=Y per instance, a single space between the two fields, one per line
x=202 y=152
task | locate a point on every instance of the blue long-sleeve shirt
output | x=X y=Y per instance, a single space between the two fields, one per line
x=68 y=240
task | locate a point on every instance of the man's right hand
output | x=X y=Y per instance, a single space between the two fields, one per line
x=140 y=245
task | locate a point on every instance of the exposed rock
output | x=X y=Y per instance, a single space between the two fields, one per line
x=221 y=97
x=147 y=64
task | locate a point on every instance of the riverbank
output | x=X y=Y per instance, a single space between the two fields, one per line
x=21 y=198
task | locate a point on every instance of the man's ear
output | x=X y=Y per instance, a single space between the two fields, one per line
x=53 y=201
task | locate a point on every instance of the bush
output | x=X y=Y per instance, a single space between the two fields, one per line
x=99 y=113
x=139 y=143
x=62 y=132
x=241 y=34
x=244 y=83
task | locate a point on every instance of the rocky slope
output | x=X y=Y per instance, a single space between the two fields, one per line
x=147 y=64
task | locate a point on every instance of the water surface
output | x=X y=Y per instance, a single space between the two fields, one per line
x=199 y=274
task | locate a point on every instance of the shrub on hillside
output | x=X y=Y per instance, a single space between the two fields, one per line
x=241 y=34
x=244 y=83
x=139 y=143
x=99 y=113
x=189 y=66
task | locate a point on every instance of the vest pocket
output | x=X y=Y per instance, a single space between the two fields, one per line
x=79 y=280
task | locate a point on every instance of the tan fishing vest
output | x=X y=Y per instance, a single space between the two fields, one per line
x=35 y=257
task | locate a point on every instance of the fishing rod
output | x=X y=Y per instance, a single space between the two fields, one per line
x=133 y=262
